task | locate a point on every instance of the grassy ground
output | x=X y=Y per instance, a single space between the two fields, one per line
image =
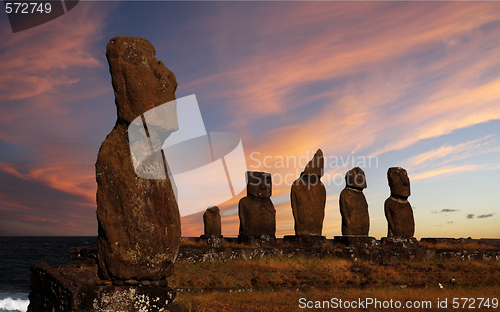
x=426 y=299
x=278 y=284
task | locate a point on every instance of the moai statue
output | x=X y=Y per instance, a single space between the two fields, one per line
x=211 y=221
x=353 y=205
x=308 y=198
x=397 y=208
x=256 y=210
x=138 y=217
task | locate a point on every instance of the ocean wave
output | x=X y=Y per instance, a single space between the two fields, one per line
x=9 y=304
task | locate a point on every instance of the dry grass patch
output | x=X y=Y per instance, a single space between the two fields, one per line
x=330 y=273
x=290 y=300
x=456 y=246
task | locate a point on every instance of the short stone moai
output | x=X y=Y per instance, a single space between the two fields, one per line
x=398 y=210
x=256 y=210
x=211 y=222
x=212 y=227
x=353 y=205
x=354 y=211
x=308 y=199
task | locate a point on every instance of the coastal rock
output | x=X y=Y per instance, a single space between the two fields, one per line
x=212 y=222
x=353 y=204
x=308 y=198
x=138 y=218
x=398 y=211
x=256 y=210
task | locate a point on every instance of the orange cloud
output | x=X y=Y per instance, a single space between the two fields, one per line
x=42 y=58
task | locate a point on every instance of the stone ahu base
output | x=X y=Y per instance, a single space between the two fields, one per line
x=305 y=241
x=259 y=240
x=355 y=241
x=76 y=288
x=399 y=242
x=212 y=240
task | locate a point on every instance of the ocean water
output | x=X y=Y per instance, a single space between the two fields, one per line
x=16 y=256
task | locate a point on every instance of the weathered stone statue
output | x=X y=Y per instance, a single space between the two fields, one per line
x=211 y=221
x=256 y=210
x=398 y=210
x=308 y=198
x=138 y=218
x=353 y=205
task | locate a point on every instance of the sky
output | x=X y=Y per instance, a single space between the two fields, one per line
x=373 y=84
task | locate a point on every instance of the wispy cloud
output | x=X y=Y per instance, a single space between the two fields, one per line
x=449 y=210
x=450 y=153
x=489 y=215
x=40 y=122
x=43 y=58
x=446 y=171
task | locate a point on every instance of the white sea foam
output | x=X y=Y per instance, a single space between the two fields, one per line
x=9 y=304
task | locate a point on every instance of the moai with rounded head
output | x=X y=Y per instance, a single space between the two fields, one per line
x=212 y=222
x=308 y=198
x=256 y=210
x=398 y=210
x=139 y=227
x=353 y=204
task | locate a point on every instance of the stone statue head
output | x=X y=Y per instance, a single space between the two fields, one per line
x=213 y=209
x=316 y=165
x=398 y=182
x=259 y=184
x=355 y=178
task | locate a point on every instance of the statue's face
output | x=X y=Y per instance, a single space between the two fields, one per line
x=259 y=184
x=398 y=181
x=356 y=178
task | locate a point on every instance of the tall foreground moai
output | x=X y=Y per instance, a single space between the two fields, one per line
x=308 y=198
x=139 y=222
x=353 y=204
x=256 y=210
x=398 y=210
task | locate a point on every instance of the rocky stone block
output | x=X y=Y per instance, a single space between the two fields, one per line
x=355 y=241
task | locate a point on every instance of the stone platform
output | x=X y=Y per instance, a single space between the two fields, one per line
x=212 y=240
x=398 y=242
x=257 y=240
x=77 y=288
x=305 y=241
x=355 y=241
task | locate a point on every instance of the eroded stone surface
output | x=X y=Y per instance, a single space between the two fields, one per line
x=72 y=288
x=316 y=165
x=308 y=198
x=399 y=182
x=259 y=184
x=353 y=204
x=257 y=216
x=256 y=210
x=398 y=211
x=212 y=222
x=399 y=217
x=139 y=221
